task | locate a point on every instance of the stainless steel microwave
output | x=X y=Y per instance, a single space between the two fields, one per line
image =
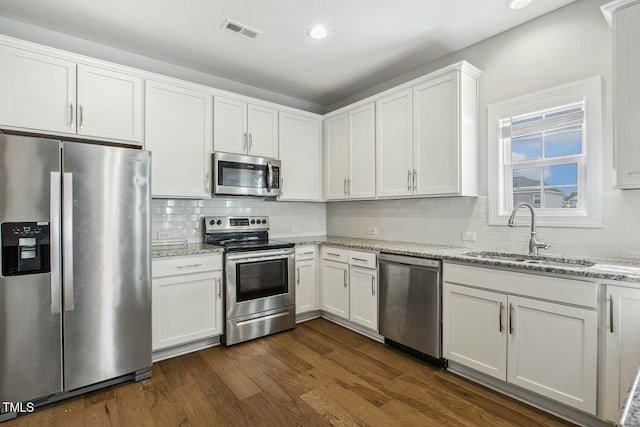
x=238 y=175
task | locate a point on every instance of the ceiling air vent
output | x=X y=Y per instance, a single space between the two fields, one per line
x=240 y=29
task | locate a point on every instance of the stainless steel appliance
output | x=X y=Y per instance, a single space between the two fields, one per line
x=410 y=304
x=259 y=277
x=238 y=175
x=75 y=281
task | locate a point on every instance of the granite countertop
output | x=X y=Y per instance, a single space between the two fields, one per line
x=184 y=249
x=606 y=269
x=630 y=412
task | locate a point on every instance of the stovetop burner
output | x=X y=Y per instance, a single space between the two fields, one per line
x=236 y=234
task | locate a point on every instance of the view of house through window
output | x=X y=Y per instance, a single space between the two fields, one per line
x=544 y=156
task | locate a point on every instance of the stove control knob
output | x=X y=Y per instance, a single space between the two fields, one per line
x=264 y=221
x=253 y=221
x=212 y=222
x=219 y=222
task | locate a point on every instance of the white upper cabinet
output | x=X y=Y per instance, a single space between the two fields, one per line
x=427 y=137
x=39 y=92
x=394 y=148
x=362 y=152
x=301 y=157
x=336 y=157
x=178 y=129
x=109 y=104
x=444 y=134
x=243 y=128
x=626 y=60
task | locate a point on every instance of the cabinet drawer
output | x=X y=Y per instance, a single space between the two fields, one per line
x=363 y=259
x=305 y=252
x=172 y=266
x=335 y=254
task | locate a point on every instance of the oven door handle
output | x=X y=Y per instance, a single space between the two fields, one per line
x=245 y=258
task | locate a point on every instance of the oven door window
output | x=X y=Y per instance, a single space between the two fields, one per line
x=261 y=279
x=232 y=174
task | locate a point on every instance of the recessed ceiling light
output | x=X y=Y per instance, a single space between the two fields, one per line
x=318 y=32
x=518 y=4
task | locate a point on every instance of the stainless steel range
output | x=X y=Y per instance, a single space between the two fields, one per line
x=259 y=277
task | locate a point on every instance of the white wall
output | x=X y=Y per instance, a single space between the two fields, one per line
x=570 y=44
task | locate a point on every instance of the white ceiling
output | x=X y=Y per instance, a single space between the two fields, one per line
x=369 y=41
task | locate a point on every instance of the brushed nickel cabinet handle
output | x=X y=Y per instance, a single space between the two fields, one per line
x=409 y=180
x=330 y=254
x=298 y=276
x=373 y=285
x=611 y=314
x=359 y=259
x=345 y=278
x=80 y=116
x=70 y=114
x=250 y=142
x=180 y=267
x=245 y=143
x=415 y=180
x=510 y=318
x=500 y=317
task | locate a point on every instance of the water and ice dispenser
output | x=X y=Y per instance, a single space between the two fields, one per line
x=25 y=248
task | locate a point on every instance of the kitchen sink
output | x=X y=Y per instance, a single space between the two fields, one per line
x=531 y=259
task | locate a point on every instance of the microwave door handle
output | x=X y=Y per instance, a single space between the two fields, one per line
x=269 y=177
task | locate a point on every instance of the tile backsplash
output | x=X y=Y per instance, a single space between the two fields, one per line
x=182 y=219
x=444 y=220
x=437 y=221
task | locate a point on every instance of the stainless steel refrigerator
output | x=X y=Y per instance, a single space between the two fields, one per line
x=75 y=284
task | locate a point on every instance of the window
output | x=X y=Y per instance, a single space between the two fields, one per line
x=544 y=150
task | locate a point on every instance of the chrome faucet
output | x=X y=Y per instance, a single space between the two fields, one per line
x=534 y=245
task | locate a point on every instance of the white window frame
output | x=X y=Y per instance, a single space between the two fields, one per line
x=589 y=214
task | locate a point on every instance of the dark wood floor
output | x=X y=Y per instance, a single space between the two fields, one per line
x=315 y=375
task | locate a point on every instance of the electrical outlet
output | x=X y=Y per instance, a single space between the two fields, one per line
x=163 y=235
x=295 y=229
x=372 y=231
x=469 y=236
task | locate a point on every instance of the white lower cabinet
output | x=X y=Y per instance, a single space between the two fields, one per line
x=186 y=299
x=349 y=282
x=363 y=297
x=544 y=347
x=622 y=346
x=306 y=279
x=335 y=288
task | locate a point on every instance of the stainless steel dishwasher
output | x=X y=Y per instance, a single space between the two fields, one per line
x=410 y=304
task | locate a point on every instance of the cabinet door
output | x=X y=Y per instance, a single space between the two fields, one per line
x=335 y=288
x=306 y=286
x=178 y=133
x=626 y=24
x=337 y=157
x=394 y=149
x=362 y=152
x=553 y=351
x=474 y=329
x=262 y=127
x=109 y=104
x=37 y=91
x=436 y=147
x=363 y=297
x=186 y=308
x=230 y=126
x=301 y=157
x=622 y=346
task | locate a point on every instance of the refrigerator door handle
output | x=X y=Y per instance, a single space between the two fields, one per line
x=67 y=239
x=54 y=236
